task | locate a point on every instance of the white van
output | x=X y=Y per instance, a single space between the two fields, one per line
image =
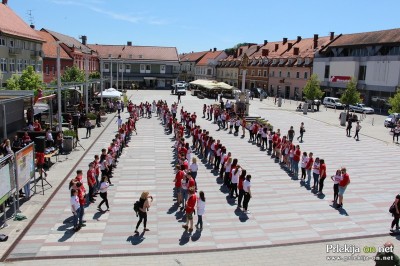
x=332 y=102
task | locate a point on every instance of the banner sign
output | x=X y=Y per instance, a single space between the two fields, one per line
x=7 y=178
x=25 y=164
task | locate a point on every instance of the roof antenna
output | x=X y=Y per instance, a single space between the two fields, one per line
x=31 y=19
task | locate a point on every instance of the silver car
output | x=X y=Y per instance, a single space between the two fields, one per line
x=361 y=108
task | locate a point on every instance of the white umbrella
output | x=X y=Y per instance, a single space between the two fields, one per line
x=110 y=93
x=40 y=108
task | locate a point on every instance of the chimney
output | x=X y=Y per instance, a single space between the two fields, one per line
x=332 y=36
x=296 y=51
x=129 y=43
x=315 y=41
x=284 y=41
x=5 y=2
x=210 y=50
x=84 y=39
x=298 y=38
x=215 y=49
x=265 y=42
x=258 y=48
x=265 y=52
x=32 y=26
x=290 y=45
x=276 y=47
x=240 y=51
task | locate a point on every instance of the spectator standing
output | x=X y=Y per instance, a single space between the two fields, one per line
x=358 y=128
x=190 y=205
x=201 y=208
x=103 y=193
x=75 y=208
x=247 y=193
x=343 y=185
x=302 y=130
x=336 y=179
x=322 y=175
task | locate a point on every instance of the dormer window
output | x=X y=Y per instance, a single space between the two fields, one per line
x=281 y=61
x=307 y=61
x=299 y=61
x=130 y=56
x=274 y=61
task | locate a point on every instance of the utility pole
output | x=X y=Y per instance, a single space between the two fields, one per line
x=86 y=84
x=59 y=118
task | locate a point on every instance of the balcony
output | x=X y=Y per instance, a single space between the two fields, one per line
x=36 y=53
x=14 y=50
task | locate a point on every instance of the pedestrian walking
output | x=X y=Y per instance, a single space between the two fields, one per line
x=201 y=208
x=291 y=133
x=358 y=128
x=103 y=193
x=349 y=126
x=144 y=204
x=179 y=98
x=396 y=133
x=88 y=126
x=302 y=130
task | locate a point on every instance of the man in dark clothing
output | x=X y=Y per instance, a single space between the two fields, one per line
x=386 y=256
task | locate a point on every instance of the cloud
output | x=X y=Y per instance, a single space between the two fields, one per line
x=90 y=4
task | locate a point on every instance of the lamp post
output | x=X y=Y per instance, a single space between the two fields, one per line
x=117 y=74
x=86 y=84
x=122 y=79
x=59 y=118
x=101 y=81
x=111 y=72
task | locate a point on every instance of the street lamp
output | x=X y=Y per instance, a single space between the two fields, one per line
x=86 y=84
x=59 y=118
x=101 y=81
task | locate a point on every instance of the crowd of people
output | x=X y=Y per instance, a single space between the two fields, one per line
x=283 y=150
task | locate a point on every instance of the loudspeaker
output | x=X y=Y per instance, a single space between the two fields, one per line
x=40 y=144
x=75 y=120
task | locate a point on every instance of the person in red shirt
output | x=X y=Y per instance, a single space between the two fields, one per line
x=37 y=126
x=82 y=202
x=91 y=181
x=275 y=138
x=178 y=184
x=342 y=186
x=191 y=182
x=242 y=177
x=322 y=175
x=190 y=205
x=40 y=164
x=296 y=160
x=309 y=167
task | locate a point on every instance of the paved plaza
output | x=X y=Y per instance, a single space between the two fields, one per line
x=287 y=222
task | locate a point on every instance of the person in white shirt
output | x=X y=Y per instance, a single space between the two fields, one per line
x=235 y=180
x=194 y=168
x=75 y=208
x=315 y=170
x=201 y=208
x=103 y=193
x=119 y=121
x=336 y=180
x=304 y=161
x=247 y=193
x=228 y=165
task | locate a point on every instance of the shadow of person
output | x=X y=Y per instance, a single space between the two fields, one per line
x=184 y=238
x=67 y=235
x=341 y=211
x=196 y=236
x=172 y=209
x=98 y=215
x=136 y=239
x=321 y=195
x=180 y=215
x=243 y=217
x=229 y=200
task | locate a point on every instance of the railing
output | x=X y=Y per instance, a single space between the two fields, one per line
x=14 y=50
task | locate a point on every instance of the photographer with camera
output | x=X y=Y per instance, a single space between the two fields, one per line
x=145 y=203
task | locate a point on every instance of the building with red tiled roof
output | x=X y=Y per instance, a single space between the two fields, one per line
x=206 y=67
x=143 y=66
x=188 y=62
x=20 y=45
x=78 y=51
x=50 y=58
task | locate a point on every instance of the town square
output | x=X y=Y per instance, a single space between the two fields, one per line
x=163 y=157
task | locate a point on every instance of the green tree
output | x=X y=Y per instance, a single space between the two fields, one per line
x=94 y=75
x=13 y=83
x=395 y=103
x=233 y=50
x=312 y=90
x=351 y=95
x=73 y=74
x=30 y=80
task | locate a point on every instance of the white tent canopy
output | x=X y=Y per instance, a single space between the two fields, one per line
x=40 y=108
x=212 y=84
x=110 y=93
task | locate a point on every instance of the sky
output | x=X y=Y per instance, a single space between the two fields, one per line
x=202 y=25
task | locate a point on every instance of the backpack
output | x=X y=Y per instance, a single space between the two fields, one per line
x=136 y=207
x=392 y=208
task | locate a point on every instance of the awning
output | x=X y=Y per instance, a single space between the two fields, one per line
x=40 y=108
x=212 y=84
x=75 y=89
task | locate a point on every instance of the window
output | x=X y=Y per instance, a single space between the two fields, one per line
x=128 y=68
x=148 y=68
x=297 y=74
x=33 y=64
x=12 y=65
x=46 y=70
x=26 y=63
x=3 y=65
x=241 y=72
x=121 y=68
x=53 y=70
x=259 y=73
x=26 y=45
x=11 y=43
x=209 y=72
x=265 y=73
x=252 y=72
x=288 y=75
x=106 y=67
x=145 y=68
x=39 y=66
x=19 y=65
x=2 y=41
x=162 y=69
x=362 y=72
x=326 y=75
x=305 y=75
x=18 y=44
x=272 y=74
x=280 y=74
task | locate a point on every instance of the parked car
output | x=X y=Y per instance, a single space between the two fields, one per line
x=391 y=120
x=333 y=102
x=178 y=88
x=361 y=108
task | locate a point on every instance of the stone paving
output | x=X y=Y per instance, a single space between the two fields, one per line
x=282 y=211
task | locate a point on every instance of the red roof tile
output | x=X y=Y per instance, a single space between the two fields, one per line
x=209 y=56
x=372 y=37
x=136 y=52
x=193 y=56
x=69 y=41
x=50 y=47
x=12 y=24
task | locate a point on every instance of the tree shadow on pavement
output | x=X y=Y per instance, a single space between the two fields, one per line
x=136 y=239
